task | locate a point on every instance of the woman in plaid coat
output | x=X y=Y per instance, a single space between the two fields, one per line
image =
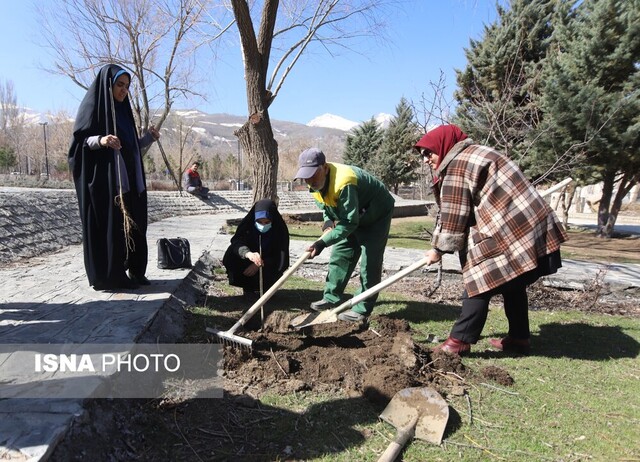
x=506 y=235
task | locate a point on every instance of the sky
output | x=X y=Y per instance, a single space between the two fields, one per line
x=425 y=38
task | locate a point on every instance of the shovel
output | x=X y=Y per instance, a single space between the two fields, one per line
x=228 y=336
x=328 y=316
x=418 y=412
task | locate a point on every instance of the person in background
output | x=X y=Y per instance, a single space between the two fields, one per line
x=357 y=210
x=193 y=182
x=261 y=240
x=506 y=235
x=108 y=173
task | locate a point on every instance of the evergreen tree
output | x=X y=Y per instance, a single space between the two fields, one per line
x=592 y=100
x=362 y=144
x=395 y=162
x=8 y=158
x=498 y=88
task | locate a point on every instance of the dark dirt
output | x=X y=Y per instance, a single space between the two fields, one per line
x=358 y=367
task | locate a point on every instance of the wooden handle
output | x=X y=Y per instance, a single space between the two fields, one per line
x=553 y=189
x=380 y=286
x=395 y=447
x=269 y=293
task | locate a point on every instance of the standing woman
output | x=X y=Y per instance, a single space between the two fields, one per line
x=506 y=235
x=108 y=173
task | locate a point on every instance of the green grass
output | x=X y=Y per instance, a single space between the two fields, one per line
x=576 y=398
x=405 y=233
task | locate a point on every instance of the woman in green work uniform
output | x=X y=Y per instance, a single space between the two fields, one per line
x=357 y=210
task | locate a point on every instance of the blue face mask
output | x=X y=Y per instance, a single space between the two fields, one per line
x=263 y=228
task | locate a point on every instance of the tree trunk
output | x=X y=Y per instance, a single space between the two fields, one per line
x=568 y=193
x=608 y=182
x=258 y=142
x=256 y=135
x=626 y=182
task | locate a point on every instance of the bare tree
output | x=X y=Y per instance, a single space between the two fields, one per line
x=156 y=40
x=183 y=147
x=433 y=107
x=304 y=24
x=8 y=106
x=13 y=126
x=59 y=132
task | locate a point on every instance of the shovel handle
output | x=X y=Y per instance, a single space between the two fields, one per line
x=267 y=295
x=395 y=447
x=380 y=286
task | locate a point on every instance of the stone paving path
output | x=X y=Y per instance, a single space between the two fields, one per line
x=49 y=301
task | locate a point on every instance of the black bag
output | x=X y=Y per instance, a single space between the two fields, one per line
x=174 y=253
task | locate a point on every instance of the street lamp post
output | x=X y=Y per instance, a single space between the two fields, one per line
x=46 y=155
x=239 y=166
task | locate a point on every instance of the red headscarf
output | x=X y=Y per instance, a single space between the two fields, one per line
x=440 y=140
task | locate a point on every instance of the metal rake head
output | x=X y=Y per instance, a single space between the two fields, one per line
x=230 y=339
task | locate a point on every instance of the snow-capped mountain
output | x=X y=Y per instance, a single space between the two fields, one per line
x=383 y=119
x=340 y=123
x=333 y=121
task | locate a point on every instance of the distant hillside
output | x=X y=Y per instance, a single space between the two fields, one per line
x=216 y=131
x=211 y=138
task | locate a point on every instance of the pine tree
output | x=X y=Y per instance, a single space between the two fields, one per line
x=498 y=88
x=592 y=99
x=362 y=144
x=8 y=158
x=395 y=162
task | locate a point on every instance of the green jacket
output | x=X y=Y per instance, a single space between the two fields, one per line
x=353 y=200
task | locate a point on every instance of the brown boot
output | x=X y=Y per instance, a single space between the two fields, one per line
x=511 y=345
x=454 y=346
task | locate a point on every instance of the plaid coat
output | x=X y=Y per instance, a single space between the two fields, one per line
x=493 y=216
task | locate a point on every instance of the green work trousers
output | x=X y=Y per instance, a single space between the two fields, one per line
x=367 y=245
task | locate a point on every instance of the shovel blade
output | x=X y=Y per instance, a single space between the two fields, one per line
x=312 y=319
x=425 y=404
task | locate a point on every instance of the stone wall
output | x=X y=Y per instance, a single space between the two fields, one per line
x=38 y=221
x=34 y=222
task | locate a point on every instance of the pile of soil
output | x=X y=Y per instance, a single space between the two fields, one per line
x=360 y=365
x=357 y=359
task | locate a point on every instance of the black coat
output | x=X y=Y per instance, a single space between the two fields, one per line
x=275 y=248
x=98 y=174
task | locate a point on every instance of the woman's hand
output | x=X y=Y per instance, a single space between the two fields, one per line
x=255 y=258
x=154 y=132
x=250 y=270
x=110 y=141
x=433 y=255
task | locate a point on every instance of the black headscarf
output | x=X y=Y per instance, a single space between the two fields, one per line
x=273 y=241
x=94 y=115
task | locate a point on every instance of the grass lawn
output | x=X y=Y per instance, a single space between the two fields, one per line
x=575 y=398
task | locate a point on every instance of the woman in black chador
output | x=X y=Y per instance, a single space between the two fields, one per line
x=108 y=173
x=261 y=231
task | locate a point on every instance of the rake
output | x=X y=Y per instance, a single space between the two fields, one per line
x=229 y=337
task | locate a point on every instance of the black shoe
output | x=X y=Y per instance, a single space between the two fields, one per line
x=101 y=286
x=322 y=305
x=139 y=279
